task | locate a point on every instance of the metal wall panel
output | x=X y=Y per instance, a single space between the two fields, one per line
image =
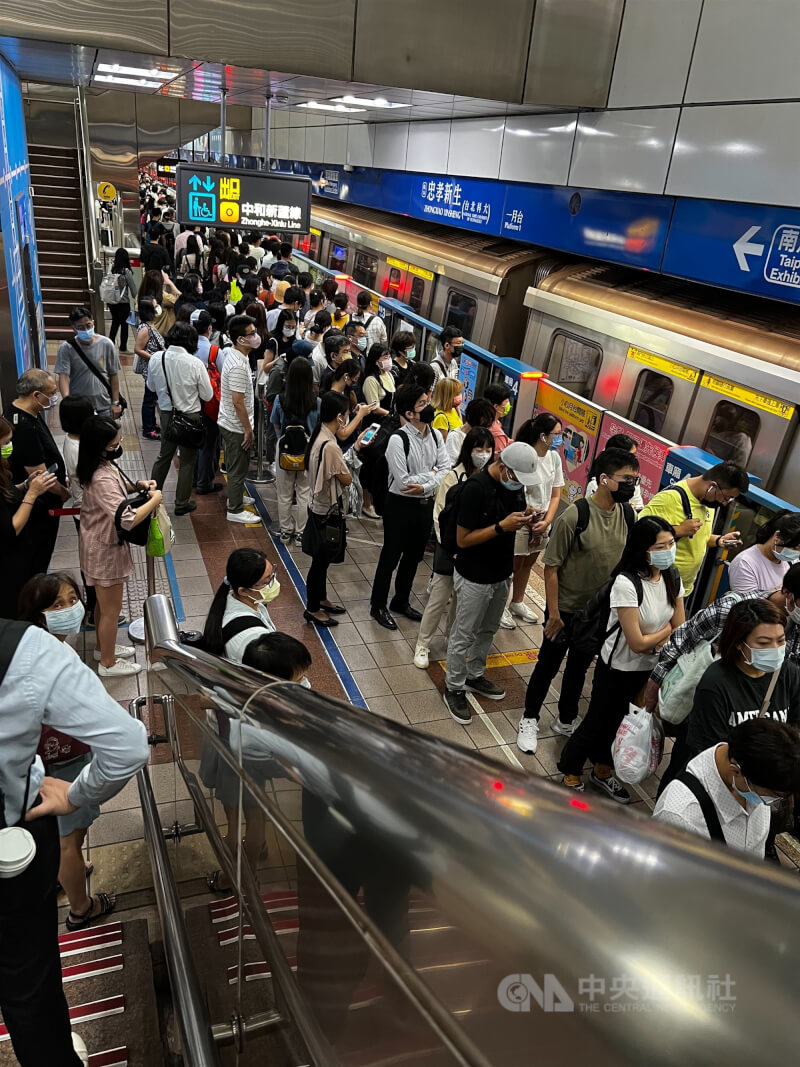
x=746 y=51
x=475 y=146
x=654 y=52
x=113 y=149
x=315 y=144
x=140 y=27
x=50 y=122
x=742 y=152
x=391 y=145
x=624 y=150
x=360 y=141
x=335 y=143
x=537 y=148
x=428 y=146
x=157 y=126
x=571 y=52
x=297 y=142
x=454 y=46
x=308 y=38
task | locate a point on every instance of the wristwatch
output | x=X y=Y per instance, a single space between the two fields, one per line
x=498 y=529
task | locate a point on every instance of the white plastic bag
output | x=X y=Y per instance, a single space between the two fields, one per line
x=676 y=695
x=632 y=750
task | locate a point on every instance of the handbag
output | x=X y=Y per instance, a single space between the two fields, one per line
x=325 y=536
x=138 y=534
x=123 y=403
x=182 y=429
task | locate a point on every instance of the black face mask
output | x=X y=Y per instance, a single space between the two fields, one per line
x=113 y=453
x=427 y=415
x=623 y=493
x=457 y=351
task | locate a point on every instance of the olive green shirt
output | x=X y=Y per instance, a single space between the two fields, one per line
x=581 y=571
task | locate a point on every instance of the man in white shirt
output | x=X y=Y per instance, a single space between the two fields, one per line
x=726 y=791
x=181 y=387
x=236 y=409
x=316 y=335
x=46 y=683
x=445 y=365
x=292 y=301
x=372 y=323
x=256 y=251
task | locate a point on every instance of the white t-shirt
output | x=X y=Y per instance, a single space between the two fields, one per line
x=549 y=475
x=234 y=609
x=654 y=613
x=69 y=450
x=236 y=378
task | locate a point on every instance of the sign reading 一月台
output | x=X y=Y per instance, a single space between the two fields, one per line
x=213 y=196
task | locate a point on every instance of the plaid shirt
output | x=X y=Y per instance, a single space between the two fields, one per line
x=707 y=625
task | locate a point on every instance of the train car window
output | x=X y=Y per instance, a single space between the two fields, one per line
x=313 y=246
x=393 y=283
x=651 y=399
x=732 y=433
x=417 y=294
x=574 y=362
x=337 y=257
x=460 y=311
x=365 y=270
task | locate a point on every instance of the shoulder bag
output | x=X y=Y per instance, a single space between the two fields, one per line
x=136 y=499
x=183 y=429
x=123 y=403
x=325 y=536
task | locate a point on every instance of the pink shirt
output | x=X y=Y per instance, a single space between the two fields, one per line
x=501 y=438
x=751 y=570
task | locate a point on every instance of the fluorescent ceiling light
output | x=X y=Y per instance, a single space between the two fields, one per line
x=378 y=102
x=332 y=107
x=141 y=83
x=136 y=72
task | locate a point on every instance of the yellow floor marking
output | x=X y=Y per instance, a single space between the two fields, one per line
x=506 y=659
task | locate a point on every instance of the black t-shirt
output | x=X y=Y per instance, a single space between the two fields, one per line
x=483 y=502
x=33 y=445
x=726 y=696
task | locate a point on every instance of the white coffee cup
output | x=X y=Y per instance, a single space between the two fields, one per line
x=17 y=849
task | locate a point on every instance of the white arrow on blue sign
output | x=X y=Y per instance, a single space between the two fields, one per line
x=744 y=247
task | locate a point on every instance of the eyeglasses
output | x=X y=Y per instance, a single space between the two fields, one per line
x=268 y=584
x=625 y=481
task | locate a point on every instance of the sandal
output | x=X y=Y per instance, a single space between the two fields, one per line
x=212 y=881
x=107 y=904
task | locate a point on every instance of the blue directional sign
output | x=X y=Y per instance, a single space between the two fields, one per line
x=216 y=196
x=462 y=202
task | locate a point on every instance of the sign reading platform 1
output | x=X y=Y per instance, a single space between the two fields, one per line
x=213 y=196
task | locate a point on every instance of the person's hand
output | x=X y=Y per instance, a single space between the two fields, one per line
x=730 y=539
x=651 y=696
x=360 y=439
x=553 y=627
x=166 y=277
x=688 y=528
x=145 y=485
x=116 y=409
x=515 y=521
x=413 y=489
x=247 y=443
x=155 y=494
x=42 y=482
x=54 y=796
x=538 y=528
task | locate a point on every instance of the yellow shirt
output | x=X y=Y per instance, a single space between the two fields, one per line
x=447 y=420
x=691 y=550
x=339 y=321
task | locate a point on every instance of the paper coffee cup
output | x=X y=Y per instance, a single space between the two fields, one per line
x=17 y=849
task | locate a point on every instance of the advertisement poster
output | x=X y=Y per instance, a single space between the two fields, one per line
x=651 y=451
x=468 y=373
x=580 y=421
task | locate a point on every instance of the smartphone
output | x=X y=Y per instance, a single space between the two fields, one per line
x=371 y=431
x=52 y=469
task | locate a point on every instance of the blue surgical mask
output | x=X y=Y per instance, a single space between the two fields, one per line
x=65 y=620
x=512 y=484
x=767 y=659
x=557 y=442
x=751 y=796
x=86 y=335
x=663 y=558
x=362 y=344
x=788 y=555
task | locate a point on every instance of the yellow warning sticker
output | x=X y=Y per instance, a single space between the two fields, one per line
x=748 y=396
x=666 y=366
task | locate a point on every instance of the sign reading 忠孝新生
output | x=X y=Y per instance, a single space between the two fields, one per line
x=213 y=196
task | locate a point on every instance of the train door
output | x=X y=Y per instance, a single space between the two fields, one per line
x=419 y=289
x=656 y=393
x=365 y=268
x=574 y=362
x=455 y=304
x=338 y=252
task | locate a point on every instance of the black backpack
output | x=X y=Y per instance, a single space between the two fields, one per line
x=590 y=628
x=448 y=517
x=374 y=473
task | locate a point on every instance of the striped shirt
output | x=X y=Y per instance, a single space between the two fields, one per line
x=236 y=378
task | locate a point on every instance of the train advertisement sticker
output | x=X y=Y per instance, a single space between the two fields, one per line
x=580 y=421
x=665 y=366
x=769 y=404
x=651 y=451
x=215 y=196
x=468 y=373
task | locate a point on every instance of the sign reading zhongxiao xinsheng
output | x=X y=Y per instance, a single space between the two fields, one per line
x=215 y=196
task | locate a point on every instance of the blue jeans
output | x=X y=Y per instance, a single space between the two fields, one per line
x=149 y=411
x=208 y=456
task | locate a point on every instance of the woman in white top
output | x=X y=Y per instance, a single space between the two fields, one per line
x=476 y=451
x=238 y=612
x=543 y=433
x=478 y=412
x=763 y=565
x=646 y=606
x=627 y=444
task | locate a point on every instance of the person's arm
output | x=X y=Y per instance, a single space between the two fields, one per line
x=133 y=288
x=241 y=411
x=361 y=412
x=113 y=381
x=140 y=514
x=63 y=385
x=632 y=631
x=466 y=538
x=663 y=505
x=555 y=624
x=139 y=344
x=371 y=390
x=204 y=389
x=43 y=482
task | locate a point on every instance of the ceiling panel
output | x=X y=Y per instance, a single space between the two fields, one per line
x=46 y=61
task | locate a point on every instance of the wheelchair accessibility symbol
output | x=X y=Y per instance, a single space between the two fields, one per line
x=202 y=207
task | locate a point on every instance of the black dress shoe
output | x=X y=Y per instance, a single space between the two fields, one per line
x=334 y=609
x=407 y=610
x=383 y=618
x=320 y=622
x=215 y=488
x=184 y=509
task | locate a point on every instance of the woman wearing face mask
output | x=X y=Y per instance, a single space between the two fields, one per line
x=764 y=565
x=476 y=451
x=447 y=398
x=404 y=350
x=148 y=341
x=626 y=444
x=105 y=562
x=281 y=339
x=294 y=416
x=158 y=286
x=53 y=602
x=239 y=613
x=646 y=606
x=378 y=383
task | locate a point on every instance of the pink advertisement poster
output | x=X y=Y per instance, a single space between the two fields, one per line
x=651 y=450
x=580 y=420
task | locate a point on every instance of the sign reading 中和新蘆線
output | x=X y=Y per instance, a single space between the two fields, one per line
x=213 y=196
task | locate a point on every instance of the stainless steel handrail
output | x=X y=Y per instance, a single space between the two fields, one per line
x=91 y=243
x=551 y=882
x=196 y=1033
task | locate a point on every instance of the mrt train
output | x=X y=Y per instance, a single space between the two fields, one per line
x=694 y=364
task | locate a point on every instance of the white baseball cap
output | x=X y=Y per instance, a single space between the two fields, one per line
x=522 y=460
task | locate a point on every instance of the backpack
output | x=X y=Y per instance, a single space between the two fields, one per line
x=374 y=473
x=211 y=407
x=685 y=502
x=590 y=628
x=292 y=445
x=448 y=517
x=109 y=288
x=584 y=515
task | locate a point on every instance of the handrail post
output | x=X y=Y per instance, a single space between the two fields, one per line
x=91 y=253
x=259 y=476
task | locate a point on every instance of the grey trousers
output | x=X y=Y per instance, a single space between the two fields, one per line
x=477 y=621
x=237 y=464
x=188 y=459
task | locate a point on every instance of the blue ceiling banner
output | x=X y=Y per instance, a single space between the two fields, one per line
x=750 y=247
x=462 y=202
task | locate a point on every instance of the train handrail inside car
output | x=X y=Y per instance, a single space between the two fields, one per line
x=524 y=875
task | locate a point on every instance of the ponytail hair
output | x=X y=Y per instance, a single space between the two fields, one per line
x=243 y=569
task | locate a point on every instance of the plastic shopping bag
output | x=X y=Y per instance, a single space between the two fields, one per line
x=160 y=535
x=676 y=696
x=656 y=743
x=632 y=750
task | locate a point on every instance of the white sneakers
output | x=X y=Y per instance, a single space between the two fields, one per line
x=120 y=652
x=421 y=658
x=244 y=517
x=506 y=621
x=528 y=736
x=522 y=611
x=120 y=669
x=80 y=1049
x=566 y=729
x=247 y=500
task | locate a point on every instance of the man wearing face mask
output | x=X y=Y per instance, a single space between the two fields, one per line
x=417 y=462
x=445 y=365
x=586 y=543
x=356 y=334
x=491 y=508
x=689 y=507
x=88 y=365
x=292 y=301
x=727 y=791
x=236 y=410
x=372 y=323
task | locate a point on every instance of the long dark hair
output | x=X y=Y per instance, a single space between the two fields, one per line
x=96 y=434
x=530 y=431
x=152 y=285
x=371 y=368
x=122 y=262
x=331 y=406
x=477 y=437
x=194 y=248
x=297 y=398
x=39 y=592
x=634 y=556
x=244 y=567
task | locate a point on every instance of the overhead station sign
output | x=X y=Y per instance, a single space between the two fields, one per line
x=214 y=196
